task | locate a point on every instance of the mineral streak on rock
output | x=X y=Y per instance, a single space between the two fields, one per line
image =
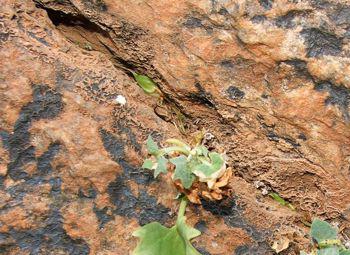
x=269 y=79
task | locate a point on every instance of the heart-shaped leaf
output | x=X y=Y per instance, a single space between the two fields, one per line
x=321 y=231
x=161 y=166
x=182 y=171
x=208 y=168
x=152 y=146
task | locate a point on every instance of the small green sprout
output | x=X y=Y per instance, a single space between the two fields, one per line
x=155 y=239
x=190 y=163
x=326 y=238
x=146 y=83
x=281 y=201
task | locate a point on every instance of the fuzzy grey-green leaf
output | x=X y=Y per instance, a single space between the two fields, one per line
x=161 y=166
x=182 y=172
x=147 y=164
x=152 y=146
x=321 y=231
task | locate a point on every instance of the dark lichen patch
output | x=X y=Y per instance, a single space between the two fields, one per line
x=46 y=104
x=227 y=64
x=258 y=19
x=260 y=249
x=5 y=136
x=44 y=161
x=338 y=96
x=235 y=93
x=96 y=4
x=201 y=226
x=320 y=43
x=202 y=96
x=41 y=40
x=272 y=136
x=288 y=20
x=321 y=4
x=193 y=22
x=122 y=128
x=144 y=207
x=232 y=215
x=223 y=11
x=300 y=67
x=341 y=15
x=50 y=238
x=103 y=216
x=302 y=136
x=91 y=193
x=114 y=147
x=267 y=4
x=4 y=37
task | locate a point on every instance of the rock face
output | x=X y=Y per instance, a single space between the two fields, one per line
x=270 y=79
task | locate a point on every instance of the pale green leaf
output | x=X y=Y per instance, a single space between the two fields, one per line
x=303 y=253
x=146 y=83
x=161 y=166
x=329 y=251
x=152 y=146
x=344 y=252
x=147 y=164
x=208 y=168
x=321 y=231
x=202 y=150
x=182 y=172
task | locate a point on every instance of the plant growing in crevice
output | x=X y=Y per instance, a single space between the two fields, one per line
x=325 y=238
x=197 y=163
x=192 y=164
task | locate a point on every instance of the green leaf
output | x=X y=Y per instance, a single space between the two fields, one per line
x=156 y=239
x=202 y=150
x=329 y=251
x=152 y=146
x=303 y=253
x=148 y=164
x=321 y=231
x=208 y=168
x=344 y=252
x=161 y=166
x=182 y=172
x=146 y=83
x=278 y=199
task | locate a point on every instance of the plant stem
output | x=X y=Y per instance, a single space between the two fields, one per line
x=172 y=149
x=178 y=143
x=182 y=208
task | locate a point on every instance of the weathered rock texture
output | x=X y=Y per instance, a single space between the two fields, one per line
x=270 y=79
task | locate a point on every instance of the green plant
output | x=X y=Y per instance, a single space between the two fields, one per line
x=190 y=163
x=146 y=83
x=155 y=239
x=326 y=239
x=281 y=200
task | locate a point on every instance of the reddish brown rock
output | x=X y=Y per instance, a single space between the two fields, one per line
x=269 y=79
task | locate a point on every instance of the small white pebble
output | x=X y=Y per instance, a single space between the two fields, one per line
x=347 y=244
x=264 y=191
x=120 y=99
